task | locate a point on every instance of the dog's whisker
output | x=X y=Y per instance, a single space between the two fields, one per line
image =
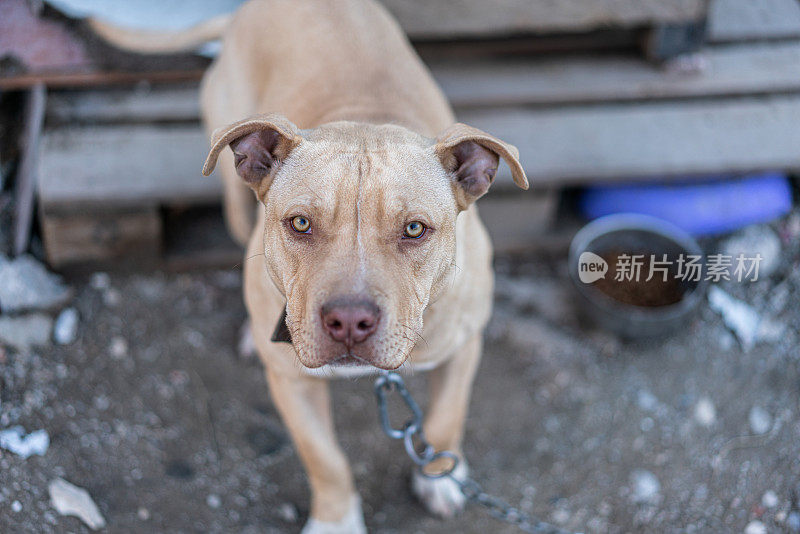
x=239 y=265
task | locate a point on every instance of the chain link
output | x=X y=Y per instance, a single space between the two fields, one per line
x=423 y=453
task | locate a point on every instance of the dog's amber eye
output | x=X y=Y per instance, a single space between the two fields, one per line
x=301 y=224
x=414 y=230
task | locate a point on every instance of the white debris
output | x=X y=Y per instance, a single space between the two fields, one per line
x=756 y=239
x=69 y=499
x=112 y=297
x=560 y=516
x=25 y=284
x=704 y=412
x=743 y=319
x=247 y=344
x=100 y=281
x=288 y=512
x=769 y=499
x=143 y=513
x=118 y=347
x=760 y=420
x=755 y=527
x=645 y=486
x=26 y=331
x=14 y=439
x=16 y=507
x=213 y=501
x=646 y=400
x=66 y=326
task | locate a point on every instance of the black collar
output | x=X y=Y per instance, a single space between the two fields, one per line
x=281 y=333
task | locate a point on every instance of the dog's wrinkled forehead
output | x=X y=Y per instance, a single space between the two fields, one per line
x=384 y=160
x=363 y=136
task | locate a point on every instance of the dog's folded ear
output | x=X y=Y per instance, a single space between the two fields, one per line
x=472 y=156
x=259 y=144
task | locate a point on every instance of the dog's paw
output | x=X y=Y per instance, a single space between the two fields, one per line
x=351 y=523
x=441 y=496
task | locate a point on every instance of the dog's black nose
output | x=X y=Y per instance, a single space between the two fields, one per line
x=350 y=321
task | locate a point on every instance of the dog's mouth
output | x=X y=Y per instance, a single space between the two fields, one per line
x=349 y=359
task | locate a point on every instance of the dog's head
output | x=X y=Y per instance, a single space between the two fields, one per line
x=360 y=230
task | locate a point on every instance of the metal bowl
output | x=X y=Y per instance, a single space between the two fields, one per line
x=635 y=234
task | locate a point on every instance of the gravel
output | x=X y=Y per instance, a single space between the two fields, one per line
x=566 y=422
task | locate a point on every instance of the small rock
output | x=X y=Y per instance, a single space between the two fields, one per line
x=793 y=522
x=66 y=326
x=739 y=316
x=755 y=527
x=118 y=347
x=645 y=486
x=14 y=439
x=16 y=507
x=26 y=331
x=288 y=512
x=26 y=285
x=646 y=400
x=213 y=501
x=112 y=297
x=69 y=499
x=760 y=420
x=560 y=516
x=769 y=499
x=100 y=281
x=704 y=412
x=755 y=239
x=247 y=345
x=143 y=513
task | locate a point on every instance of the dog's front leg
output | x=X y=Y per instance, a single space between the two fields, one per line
x=304 y=405
x=451 y=385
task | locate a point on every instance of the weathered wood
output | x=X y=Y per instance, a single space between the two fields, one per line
x=730 y=70
x=146 y=164
x=95 y=78
x=101 y=235
x=26 y=175
x=125 y=105
x=459 y=18
x=668 y=41
x=125 y=165
x=643 y=141
x=517 y=221
x=743 y=20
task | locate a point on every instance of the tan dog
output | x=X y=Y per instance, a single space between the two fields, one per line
x=366 y=234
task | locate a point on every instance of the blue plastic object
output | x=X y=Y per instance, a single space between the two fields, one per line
x=718 y=204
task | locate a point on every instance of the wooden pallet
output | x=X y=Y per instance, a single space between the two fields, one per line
x=575 y=119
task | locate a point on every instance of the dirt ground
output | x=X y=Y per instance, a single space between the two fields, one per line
x=153 y=411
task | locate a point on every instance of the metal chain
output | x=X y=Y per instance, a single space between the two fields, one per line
x=423 y=453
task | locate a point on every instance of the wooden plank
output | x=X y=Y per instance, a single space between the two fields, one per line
x=96 y=78
x=125 y=165
x=26 y=175
x=577 y=144
x=741 y=20
x=132 y=104
x=730 y=70
x=104 y=235
x=642 y=141
x=479 y=18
